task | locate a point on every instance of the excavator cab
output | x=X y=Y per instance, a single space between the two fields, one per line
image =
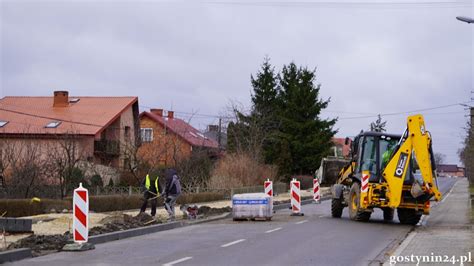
x=374 y=152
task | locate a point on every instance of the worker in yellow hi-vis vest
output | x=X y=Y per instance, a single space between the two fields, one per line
x=152 y=191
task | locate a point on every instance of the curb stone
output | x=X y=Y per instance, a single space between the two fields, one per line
x=112 y=236
x=15 y=254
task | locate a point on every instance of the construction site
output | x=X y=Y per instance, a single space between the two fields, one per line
x=237 y=132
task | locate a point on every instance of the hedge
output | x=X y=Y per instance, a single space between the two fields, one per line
x=25 y=207
x=120 y=203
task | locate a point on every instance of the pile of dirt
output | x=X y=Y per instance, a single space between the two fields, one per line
x=45 y=244
x=207 y=211
x=123 y=222
x=42 y=244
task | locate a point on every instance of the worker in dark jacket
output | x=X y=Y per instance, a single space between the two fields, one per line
x=172 y=191
x=152 y=191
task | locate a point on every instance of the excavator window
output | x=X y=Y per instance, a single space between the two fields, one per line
x=386 y=148
x=369 y=155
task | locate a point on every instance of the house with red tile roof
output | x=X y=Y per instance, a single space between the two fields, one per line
x=99 y=124
x=450 y=170
x=340 y=148
x=165 y=140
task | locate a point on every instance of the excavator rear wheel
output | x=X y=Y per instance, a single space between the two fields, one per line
x=408 y=216
x=336 y=208
x=388 y=214
x=355 y=212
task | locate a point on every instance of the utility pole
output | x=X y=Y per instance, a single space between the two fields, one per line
x=219 y=132
x=469 y=157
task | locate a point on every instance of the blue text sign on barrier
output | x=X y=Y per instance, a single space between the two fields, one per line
x=249 y=202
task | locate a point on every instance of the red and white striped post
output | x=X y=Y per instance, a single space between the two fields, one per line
x=316 y=191
x=80 y=223
x=268 y=185
x=295 y=193
x=365 y=183
x=364 y=189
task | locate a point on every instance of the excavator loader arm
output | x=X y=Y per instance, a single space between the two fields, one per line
x=418 y=141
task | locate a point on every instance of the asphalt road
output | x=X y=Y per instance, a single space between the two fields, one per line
x=313 y=239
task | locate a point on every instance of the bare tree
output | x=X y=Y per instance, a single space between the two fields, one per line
x=7 y=157
x=22 y=165
x=439 y=158
x=132 y=162
x=378 y=125
x=245 y=134
x=195 y=171
x=64 y=156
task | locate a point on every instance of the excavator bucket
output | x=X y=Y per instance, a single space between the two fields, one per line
x=329 y=170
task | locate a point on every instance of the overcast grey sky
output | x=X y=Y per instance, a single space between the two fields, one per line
x=195 y=56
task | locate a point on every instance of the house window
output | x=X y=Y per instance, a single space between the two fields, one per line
x=127 y=132
x=53 y=124
x=337 y=151
x=146 y=134
x=3 y=123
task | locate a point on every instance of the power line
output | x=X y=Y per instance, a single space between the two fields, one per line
x=366 y=115
x=405 y=112
x=345 y=4
x=228 y=117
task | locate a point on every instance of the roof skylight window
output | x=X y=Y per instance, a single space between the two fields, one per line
x=3 y=123
x=53 y=124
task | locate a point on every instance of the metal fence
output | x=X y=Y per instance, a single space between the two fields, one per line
x=278 y=188
x=130 y=190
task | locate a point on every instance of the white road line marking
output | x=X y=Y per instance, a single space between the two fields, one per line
x=177 y=261
x=321 y=216
x=232 y=243
x=301 y=222
x=273 y=230
x=449 y=192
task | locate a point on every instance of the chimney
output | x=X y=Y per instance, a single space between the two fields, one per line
x=61 y=99
x=170 y=114
x=213 y=128
x=158 y=112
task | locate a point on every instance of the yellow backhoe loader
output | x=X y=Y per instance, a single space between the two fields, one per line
x=383 y=173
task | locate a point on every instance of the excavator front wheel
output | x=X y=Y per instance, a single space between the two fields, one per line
x=355 y=212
